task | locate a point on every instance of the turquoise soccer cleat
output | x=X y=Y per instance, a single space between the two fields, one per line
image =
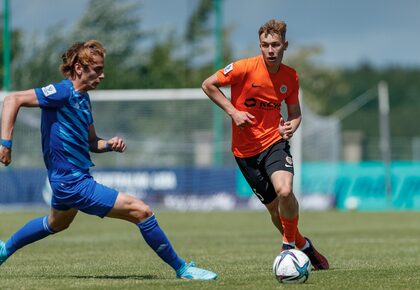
x=3 y=253
x=191 y=272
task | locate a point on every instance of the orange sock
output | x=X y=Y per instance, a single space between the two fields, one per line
x=289 y=229
x=300 y=240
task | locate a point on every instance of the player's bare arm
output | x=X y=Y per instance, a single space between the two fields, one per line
x=99 y=145
x=286 y=129
x=11 y=106
x=211 y=87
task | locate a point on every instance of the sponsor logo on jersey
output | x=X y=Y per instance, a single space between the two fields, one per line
x=262 y=105
x=268 y=106
x=250 y=102
x=49 y=90
x=228 y=69
x=283 y=89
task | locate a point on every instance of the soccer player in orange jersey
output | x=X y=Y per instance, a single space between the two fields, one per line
x=260 y=135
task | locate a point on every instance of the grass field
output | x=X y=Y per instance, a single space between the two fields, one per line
x=366 y=251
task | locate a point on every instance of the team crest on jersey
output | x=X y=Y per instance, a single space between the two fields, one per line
x=283 y=89
x=49 y=90
x=228 y=69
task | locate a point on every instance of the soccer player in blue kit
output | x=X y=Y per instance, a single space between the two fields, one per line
x=68 y=134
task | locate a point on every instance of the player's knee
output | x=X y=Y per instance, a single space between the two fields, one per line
x=142 y=211
x=57 y=226
x=284 y=191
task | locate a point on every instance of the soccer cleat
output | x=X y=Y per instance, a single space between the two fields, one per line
x=191 y=272
x=318 y=261
x=3 y=253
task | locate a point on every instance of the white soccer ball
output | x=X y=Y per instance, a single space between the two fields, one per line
x=292 y=267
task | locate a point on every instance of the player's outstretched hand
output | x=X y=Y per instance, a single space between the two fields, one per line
x=5 y=155
x=117 y=144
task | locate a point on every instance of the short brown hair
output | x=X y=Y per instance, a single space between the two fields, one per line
x=274 y=27
x=80 y=52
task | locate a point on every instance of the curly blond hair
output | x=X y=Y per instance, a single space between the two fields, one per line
x=82 y=53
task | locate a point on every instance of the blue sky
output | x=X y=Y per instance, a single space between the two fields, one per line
x=382 y=32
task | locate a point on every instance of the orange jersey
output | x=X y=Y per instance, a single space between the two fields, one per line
x=255 y=90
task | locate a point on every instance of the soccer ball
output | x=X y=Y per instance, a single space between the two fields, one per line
x=292 y=267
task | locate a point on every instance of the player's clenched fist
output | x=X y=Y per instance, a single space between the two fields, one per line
x=5 y=155
x=243 y=119
x=117 y=144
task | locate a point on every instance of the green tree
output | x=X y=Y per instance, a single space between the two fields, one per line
x=199 y=32
x=115 y=23
x=325 y=89
x=163 y=70
x=183 y=61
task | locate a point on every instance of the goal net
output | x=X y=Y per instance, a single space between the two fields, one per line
x=168 y=130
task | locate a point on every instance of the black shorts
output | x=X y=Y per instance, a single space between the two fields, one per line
x=258 y=169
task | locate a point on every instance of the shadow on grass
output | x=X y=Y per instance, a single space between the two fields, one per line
x=116 y=277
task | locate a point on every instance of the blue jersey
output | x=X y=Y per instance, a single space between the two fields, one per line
x=66 y=117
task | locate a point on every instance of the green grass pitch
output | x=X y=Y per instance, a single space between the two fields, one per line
x=366 y=251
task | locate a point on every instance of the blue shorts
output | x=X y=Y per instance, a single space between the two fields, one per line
x=86 y=195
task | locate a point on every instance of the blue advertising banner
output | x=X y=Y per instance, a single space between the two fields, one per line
x=346 y=186
x=178 y=188
x=23 y=186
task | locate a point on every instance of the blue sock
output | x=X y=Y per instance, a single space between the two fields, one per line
x=157 y=240
x=33 y=231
